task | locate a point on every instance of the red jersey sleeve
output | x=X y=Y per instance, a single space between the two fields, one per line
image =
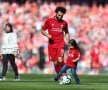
x=46 y=25
x=66 y=28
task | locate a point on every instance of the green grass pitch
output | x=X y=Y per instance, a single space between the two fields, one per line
x=44 y=82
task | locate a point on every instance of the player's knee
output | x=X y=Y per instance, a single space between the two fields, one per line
x=55 y=62
x=60 y=60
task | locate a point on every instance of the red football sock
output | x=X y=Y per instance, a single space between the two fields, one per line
x=61 y=64
x=57 y=68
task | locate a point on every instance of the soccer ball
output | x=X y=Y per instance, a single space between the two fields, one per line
x=65 y=79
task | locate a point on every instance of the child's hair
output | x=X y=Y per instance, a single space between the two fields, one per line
x=74 y=44
x=11 y=29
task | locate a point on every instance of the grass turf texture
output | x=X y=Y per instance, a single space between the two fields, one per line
x=44 y=82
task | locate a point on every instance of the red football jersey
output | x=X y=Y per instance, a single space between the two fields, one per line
x=56 y=29
x=72 y=55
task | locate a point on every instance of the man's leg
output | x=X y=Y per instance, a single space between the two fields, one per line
x=60 y=57
x=58 y=64
x=57 y=67
x=61 y=64
x=63 y=70
x=56 y=55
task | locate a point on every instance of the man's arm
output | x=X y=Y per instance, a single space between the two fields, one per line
x=51 y=41
x=45 y=34
x=67 y=38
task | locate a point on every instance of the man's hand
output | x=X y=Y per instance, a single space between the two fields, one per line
x=51 y=41
x=45 y=34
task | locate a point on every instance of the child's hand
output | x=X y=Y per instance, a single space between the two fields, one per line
x=51 y=41
x=15 y=53
x=0 y=54
x=74 y=60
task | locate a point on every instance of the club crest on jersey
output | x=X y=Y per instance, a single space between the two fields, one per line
x=70 y=55
x=52 y=24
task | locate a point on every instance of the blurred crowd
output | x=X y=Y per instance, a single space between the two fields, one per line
x=88 y=25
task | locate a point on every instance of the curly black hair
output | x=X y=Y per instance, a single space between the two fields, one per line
x=61 y=9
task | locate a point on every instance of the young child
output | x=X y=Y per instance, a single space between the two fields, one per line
x=71 y=61
x=9 y=50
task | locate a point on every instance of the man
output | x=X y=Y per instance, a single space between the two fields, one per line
x=57 y=30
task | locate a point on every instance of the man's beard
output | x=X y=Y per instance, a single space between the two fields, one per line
x=59 y=19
